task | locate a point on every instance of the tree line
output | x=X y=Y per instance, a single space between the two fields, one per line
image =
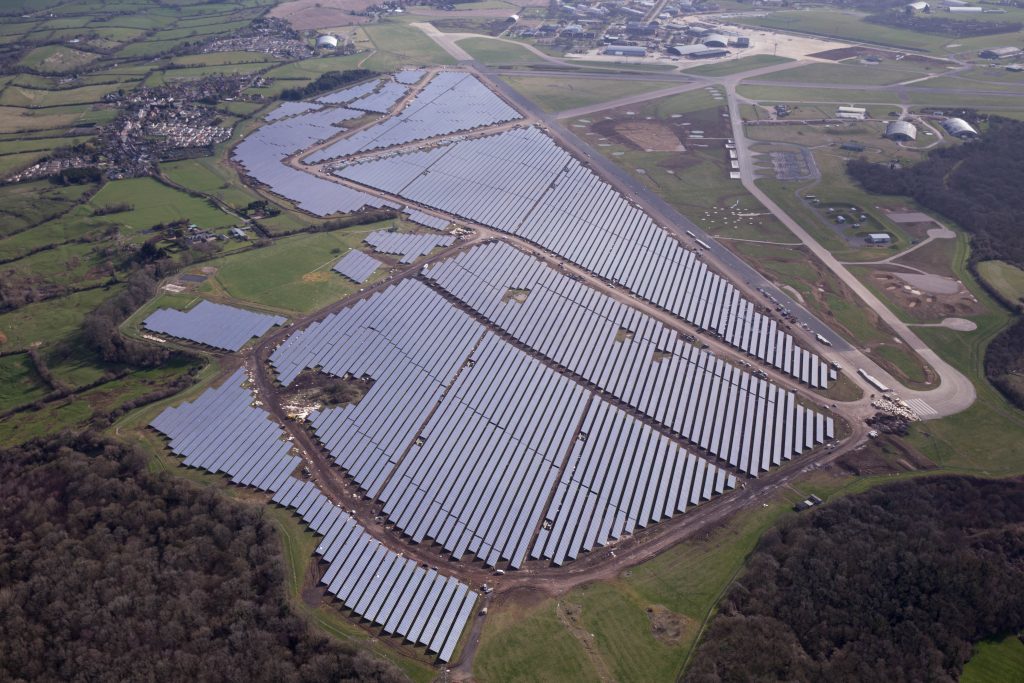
x=331 y=80
x=894 y=584
x=111 y=573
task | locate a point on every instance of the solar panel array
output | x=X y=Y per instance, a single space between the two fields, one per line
x=410 y=76
x=286 y=109
x=621 y=474
x=386 y=338
x=426 y=220
x=351 y=93
x=521 y=182
x=461 y=435
x=382 y=100
x=631 y=355
x=409 y=245
x=216 y=325
x=450 y=102
x=357 y=266
x=378 y=584
x=262 y=154
x=221 y=431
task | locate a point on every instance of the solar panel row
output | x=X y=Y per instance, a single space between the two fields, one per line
x=461 y=435
x=382 y=100
x=426 y=220
x=216 y=325
x=378 y=584
x=452 y=101
x=621 y=474
x=262 y=153
x=221 y=431
x=521 y=182
x=480 y=474
x=629 y=354
x=357 y=266
x=286 y=109
x=410 y=246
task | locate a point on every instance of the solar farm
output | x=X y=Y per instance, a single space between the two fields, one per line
x=533 y=393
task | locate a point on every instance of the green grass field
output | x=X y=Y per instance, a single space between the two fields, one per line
x=850 y=26
x=735 y=66
x=19 y=381
x=57 y=58
x=398 y=44
x=851 y=74
x=49 y=321
x=156 y=203
x=555 y=94
x=996 y=662
x=1006 y=279
x=499 y=52
x=605 y=627
x=293 y=275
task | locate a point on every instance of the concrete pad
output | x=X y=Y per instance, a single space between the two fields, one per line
x=934 y=284
x=941 y=233
x=959 y=324
x=911 y=217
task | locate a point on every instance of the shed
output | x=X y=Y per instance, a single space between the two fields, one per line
x=878 y=238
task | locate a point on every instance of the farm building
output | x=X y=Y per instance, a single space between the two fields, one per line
x=878 y=238
x=901 y=130
x=625 y=51
x=327 y=42
x=999 y=52
x=966 y=9
x=716 y=40
x=959 y=128
x=919 y=7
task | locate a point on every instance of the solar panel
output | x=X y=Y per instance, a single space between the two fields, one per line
x=357 y=266
x=216 y=325
x=410 y=246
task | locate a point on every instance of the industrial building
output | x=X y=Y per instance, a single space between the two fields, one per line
x=878 y=238
x=855 y=113
x=716 y=40
x=959 y=128
x=966 y=9
x=326 y=42
x=903 y=131
x=999 y=52
x=625 y=51
x=696 y=51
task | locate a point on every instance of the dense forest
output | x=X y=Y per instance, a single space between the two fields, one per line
x=109 y=573
x=976 y=185
x=894 y=584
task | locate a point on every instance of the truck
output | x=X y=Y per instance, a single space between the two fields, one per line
x=703 y=244
x=823 y=340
